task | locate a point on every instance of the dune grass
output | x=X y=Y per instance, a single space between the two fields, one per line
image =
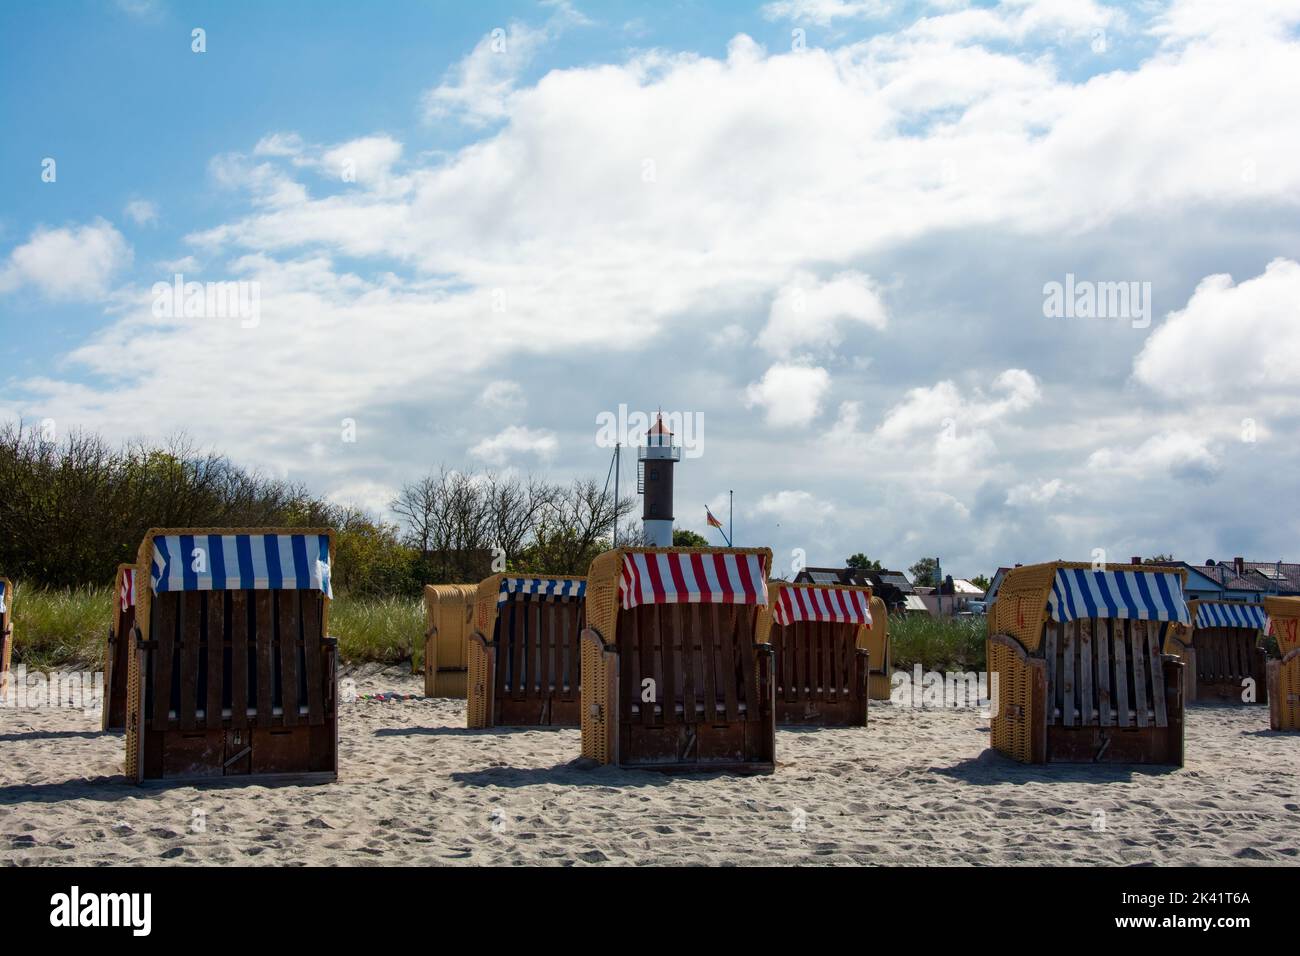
x=61 y=628
x=937 y=643
x=66 y=628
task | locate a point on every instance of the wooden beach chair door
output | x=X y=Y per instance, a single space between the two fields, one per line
x=682 y=682
x=1076 y=652
x=525 y=661
x=234 y=675
x=121 y=638
x=821 y=668
x=6 y=632
x=1284 y=673
x=1224 y=656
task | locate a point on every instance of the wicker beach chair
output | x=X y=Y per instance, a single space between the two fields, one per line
x=6 y=631
x=232 y=674
x=449 y=618
x=1220 y=652
x=674 y=675
x=117 y=652
x=1076 y=654
x=524 y=662
x=880 y=654
x=1283 y=675
x=818 y=635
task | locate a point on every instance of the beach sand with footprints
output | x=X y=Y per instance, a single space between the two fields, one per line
x=416 y=787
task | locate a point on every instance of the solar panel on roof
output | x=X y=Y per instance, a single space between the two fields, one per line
x=824 y=577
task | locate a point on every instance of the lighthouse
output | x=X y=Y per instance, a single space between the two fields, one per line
x=655 y=460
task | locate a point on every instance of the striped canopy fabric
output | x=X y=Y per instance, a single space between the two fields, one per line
x=1215 y=614
x=3 y=606
x=264 y=562
x=126 y=595
x=669 y=577
x=822 y=604
x=1132 y=595
x=545 y=587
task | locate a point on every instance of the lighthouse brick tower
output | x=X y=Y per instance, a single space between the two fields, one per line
x=655 y=460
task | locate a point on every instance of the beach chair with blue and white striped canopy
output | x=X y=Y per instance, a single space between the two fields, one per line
x=1076 y=654
x=232 y=673
x=524 y=663
x=1220 y=650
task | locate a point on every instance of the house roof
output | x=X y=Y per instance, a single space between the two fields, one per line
x=1278 y=574
x=858 y=576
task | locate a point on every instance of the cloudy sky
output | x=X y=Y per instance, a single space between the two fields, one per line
x=827 y=230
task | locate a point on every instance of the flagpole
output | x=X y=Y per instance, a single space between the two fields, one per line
x=731 y=517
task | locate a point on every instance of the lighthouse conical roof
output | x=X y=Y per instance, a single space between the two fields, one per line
x=659 y=428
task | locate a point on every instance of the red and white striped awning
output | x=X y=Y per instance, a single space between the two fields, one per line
x=836 y=605
x=664 y=577
x=126 y=595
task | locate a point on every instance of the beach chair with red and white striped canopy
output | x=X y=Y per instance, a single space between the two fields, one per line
x=674 y=676
x=818 y=634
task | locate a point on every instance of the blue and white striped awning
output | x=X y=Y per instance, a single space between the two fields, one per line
x=1216 y=614
x=1131 y=595
x=217 y=562
x=545 y=587
x=2 y=597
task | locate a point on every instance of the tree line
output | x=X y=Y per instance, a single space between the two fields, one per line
x=72 y=510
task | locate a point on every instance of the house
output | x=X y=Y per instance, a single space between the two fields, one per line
x=951 y=597
x=892 y=587
x=1218 y=581
x=1276 y=577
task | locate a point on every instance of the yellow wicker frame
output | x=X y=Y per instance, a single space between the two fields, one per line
x=879 y=653
x=1284 y=675
x=143 y=602
x=599 y=725
x=1281 y=609
x=443 y=605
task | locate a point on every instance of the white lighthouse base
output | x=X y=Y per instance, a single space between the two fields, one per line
x=658 y=533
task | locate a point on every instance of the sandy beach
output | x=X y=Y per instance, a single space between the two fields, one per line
x=416 y=787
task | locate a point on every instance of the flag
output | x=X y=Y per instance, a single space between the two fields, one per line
x=712 y=520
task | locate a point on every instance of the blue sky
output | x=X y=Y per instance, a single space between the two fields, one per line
x=830 y=244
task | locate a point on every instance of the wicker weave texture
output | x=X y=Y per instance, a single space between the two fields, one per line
x=879 y=654
x=1285 y=615
x=448 y=614
x=476 y=708
x=596 y=704
x=1011 y=726
x=1287 y=709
